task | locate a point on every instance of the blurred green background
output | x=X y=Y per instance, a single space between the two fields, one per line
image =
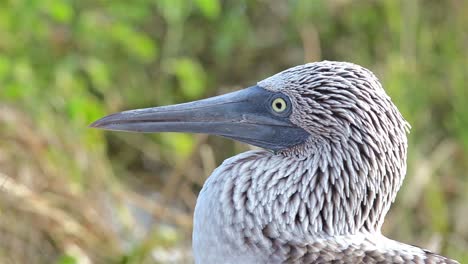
x=70 y=194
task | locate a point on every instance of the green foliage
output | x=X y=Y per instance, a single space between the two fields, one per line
x=191 y=76
x=209 y=8
x=64 y=64
x=67 y=260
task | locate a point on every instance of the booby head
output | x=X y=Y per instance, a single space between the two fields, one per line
x=322 y=101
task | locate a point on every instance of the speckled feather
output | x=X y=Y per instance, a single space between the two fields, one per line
x=323 y=201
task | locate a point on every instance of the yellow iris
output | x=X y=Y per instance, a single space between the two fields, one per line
x=279 y=105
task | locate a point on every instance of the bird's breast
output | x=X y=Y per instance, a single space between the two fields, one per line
x=217 y=222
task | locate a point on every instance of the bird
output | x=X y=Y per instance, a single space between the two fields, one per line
x=331 y=157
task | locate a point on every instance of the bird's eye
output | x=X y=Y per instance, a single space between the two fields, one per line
x=279 y=105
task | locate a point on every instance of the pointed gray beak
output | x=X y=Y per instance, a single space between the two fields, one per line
x=245 y=115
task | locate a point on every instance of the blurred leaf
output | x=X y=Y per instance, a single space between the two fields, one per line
x=5 y=66
x=130 y=10
x=306 y=12
x=182 y=143
x=136 y=43
x=67 y=259
x=174 y=11
x=232 y=30
x=23 y=82
x=191 y=76
x=83 y=110
x=14 y=91
x=210 y=8
x=99 y=73
x=436 y=202
x=61 y=11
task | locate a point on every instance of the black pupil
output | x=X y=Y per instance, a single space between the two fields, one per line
x=279 y=105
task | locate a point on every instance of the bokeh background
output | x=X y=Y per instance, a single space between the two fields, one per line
x=69 y=194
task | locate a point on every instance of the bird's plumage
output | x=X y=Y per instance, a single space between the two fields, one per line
x=264 y=208
x=320 y=198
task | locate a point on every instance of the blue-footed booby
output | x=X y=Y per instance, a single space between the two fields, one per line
x=334 y=159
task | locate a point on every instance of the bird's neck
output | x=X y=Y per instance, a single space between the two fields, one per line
x=332 y=191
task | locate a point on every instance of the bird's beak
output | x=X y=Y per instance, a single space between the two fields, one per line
x=244 y=115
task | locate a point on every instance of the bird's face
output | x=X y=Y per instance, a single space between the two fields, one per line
x=337 y=101
x=324 y=100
